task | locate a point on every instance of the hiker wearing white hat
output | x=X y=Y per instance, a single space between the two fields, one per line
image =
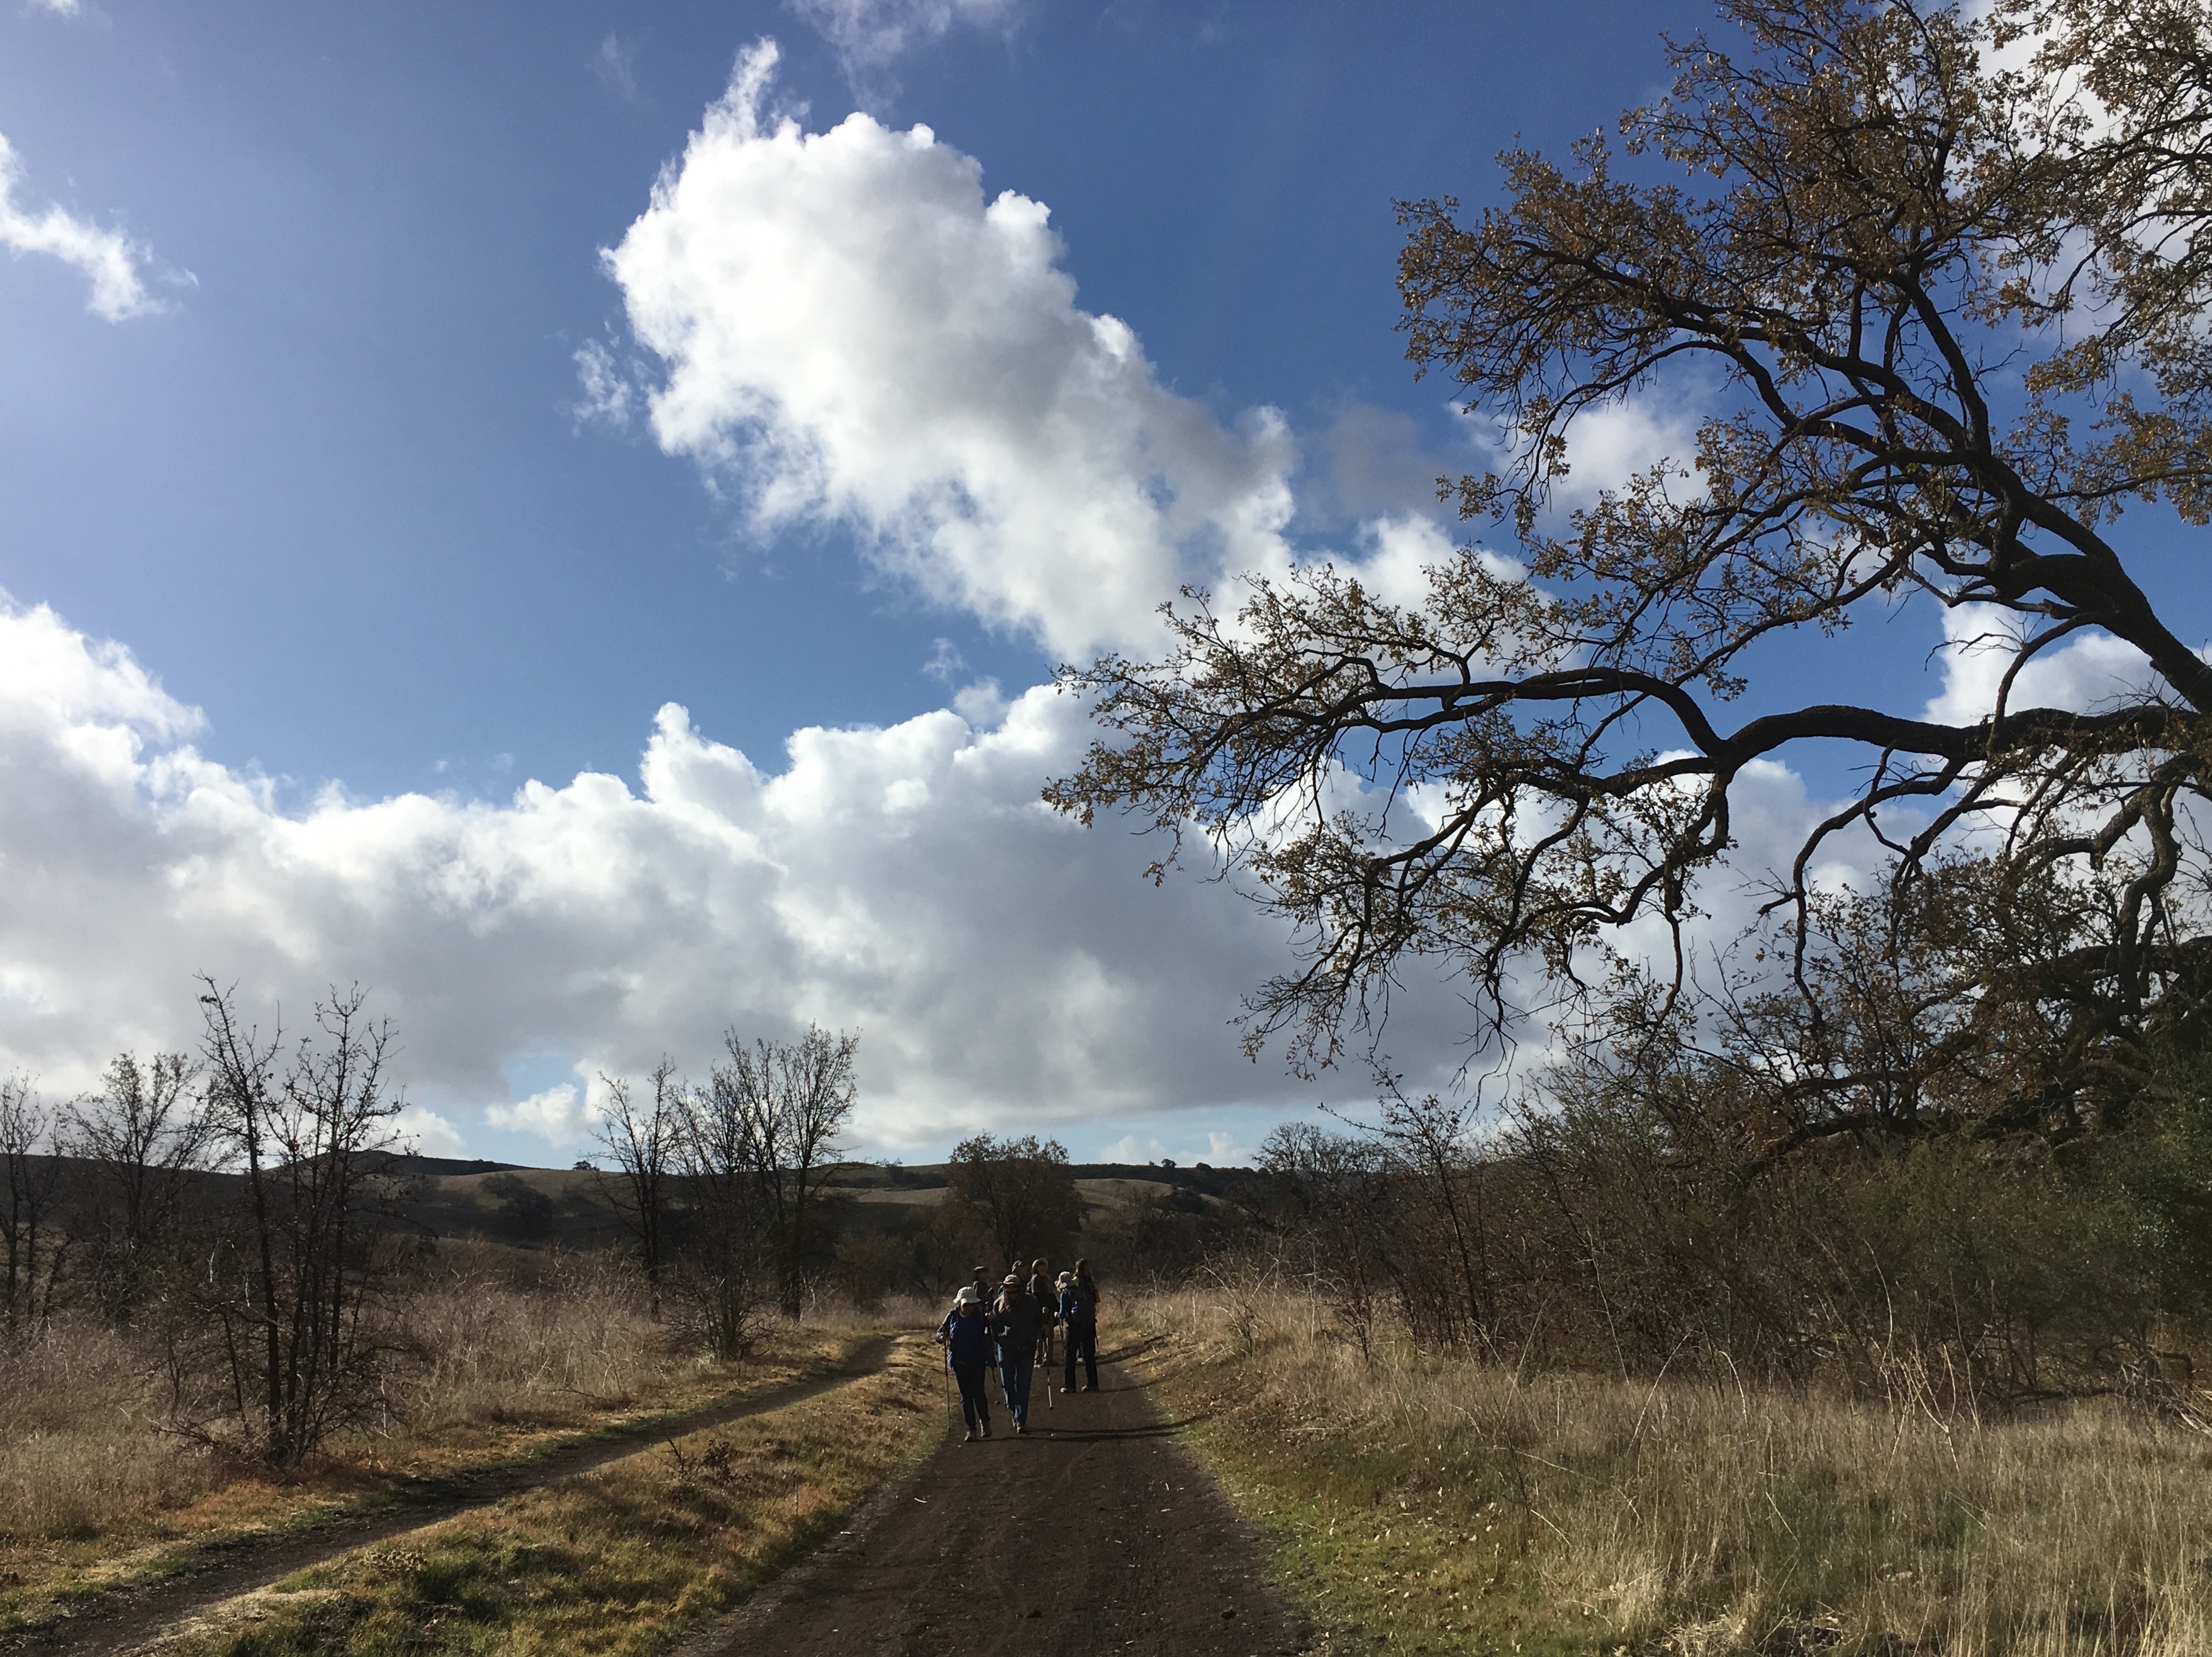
x=966 y=1335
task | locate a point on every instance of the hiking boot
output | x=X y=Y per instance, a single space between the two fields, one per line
x=986 y=1430
x=968 y=1438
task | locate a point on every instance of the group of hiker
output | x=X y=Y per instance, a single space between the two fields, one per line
x=1012 y=1327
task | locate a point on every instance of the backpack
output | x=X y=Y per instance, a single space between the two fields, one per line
x=1078 y=1302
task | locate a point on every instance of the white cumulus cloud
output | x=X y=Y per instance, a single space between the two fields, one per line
x=556 y=1115
x=429 y=1134
x=1006 y=968
x=111 y=261
x=1225 y=1150
x=853 y=331
x=1131 y=1148
x=2089 y=672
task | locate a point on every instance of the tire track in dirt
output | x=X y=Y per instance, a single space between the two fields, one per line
x=117 y=1620
x=1097 y=1532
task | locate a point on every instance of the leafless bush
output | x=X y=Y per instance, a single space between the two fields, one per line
x=139 y=1144
x=291 y=1289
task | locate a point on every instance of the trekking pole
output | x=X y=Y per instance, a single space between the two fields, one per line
x=948 y=1389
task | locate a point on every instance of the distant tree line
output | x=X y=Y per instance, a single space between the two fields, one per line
x=243 y=1215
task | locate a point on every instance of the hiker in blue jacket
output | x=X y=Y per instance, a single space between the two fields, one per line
x=1078 y=1310
x=970 y=1344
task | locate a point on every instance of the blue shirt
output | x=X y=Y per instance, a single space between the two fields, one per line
x=968 y=1337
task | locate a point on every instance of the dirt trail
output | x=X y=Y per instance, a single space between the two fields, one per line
x=117 y=1622
x=1096 y=1533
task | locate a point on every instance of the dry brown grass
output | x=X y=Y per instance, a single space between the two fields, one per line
x=893 y=1312
x=81 y=1438
x=1458 y=1504
x=623 y=1561
x=506 y=1357
x=488 y=1350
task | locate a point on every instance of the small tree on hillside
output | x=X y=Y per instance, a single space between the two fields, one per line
x=788 y=1104
x=1021 y=1191
x=141 y=1141
x=33 y=1245
x=642 y=1133
x=292 y=1289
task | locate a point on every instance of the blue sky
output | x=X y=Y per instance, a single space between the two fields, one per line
x=339 y=490
x=336 y=496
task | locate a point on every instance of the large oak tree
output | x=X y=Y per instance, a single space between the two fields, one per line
x=1941 y=284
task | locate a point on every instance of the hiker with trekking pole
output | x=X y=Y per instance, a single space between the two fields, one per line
x=967 y=1337
x=1078 y=1311
x=1017 y=1315
x=1046 y=1294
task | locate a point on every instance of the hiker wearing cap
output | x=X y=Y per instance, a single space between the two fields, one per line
x=965 y=1334
x=1017 y=1314
x=1078 y=1310
x=1046 y=1294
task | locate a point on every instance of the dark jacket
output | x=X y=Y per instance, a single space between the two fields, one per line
x=1047 y=1297
x=1079 y=1302
x=968 y=1338
x=1019 y=1318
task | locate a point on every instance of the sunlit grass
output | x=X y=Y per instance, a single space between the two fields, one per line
x=96 y=1492
x=625 y=1560
x=1441 y=1504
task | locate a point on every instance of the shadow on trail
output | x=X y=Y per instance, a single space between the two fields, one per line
x=1135 y=1349
x=1108 y=1434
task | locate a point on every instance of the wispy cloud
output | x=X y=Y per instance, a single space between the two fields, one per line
x=606 y=388
x=115 y=265
x=615 y=64
x=871 y=35
x=58 y=8
x=945 y=662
